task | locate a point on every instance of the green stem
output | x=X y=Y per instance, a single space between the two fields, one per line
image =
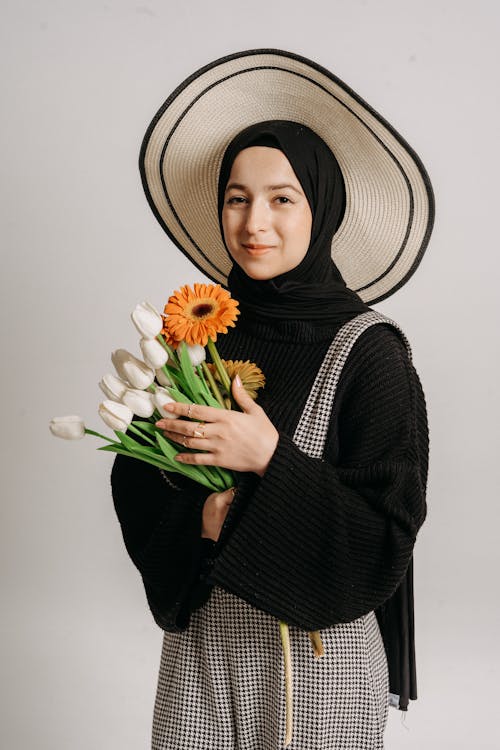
x=171 y=353
x=98 y=434
x=141 y=434
x=161 y=463
x=199 y=370
x=173 y=380
x=219 y=366
x=213 y=384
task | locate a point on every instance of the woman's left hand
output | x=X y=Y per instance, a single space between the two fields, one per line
x=242 y=441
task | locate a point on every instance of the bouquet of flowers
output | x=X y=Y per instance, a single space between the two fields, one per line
x=174 y=368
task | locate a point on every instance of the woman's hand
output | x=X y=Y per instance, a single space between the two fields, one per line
x=215 y=511
x=241 y=441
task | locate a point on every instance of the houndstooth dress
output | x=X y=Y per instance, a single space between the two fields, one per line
x=221 y=681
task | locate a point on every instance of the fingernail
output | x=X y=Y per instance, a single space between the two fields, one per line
x=169 y=407
x=237 y=380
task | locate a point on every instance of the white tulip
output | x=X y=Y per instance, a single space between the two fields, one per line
x=140 y=402
x=160 y=398
x=196 y=353
x=113 y=387
x=115 y=415
x=70 y=427
x=131 y=369
x=153 y=352
x=162 y=378
x=147 y=320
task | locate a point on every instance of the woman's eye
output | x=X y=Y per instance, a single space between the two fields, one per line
x=284 y=199
x=236 y=199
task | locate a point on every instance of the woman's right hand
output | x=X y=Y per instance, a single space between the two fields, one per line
x=215 y=511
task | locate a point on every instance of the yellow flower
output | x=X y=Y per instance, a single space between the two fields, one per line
x=252 y=377
x=195 y=315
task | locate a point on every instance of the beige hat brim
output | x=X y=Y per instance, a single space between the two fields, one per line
x=389 y=199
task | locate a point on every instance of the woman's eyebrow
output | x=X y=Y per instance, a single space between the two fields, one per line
x=239 y=186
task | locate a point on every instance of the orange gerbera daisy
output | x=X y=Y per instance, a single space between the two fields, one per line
x=173 y=343
x=195 y=315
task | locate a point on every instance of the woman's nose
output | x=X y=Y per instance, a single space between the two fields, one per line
x=257 y=217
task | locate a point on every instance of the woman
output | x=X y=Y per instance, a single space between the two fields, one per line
x=321 y=530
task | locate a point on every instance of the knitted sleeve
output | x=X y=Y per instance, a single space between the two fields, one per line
x=160 y=517
x=322 y=541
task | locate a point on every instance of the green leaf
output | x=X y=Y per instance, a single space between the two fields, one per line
x=219 y=476
x=126 y=440
x=197 y=474
x=148 y=427
x=195 y=387
x=134 y=447
x=160 y=462
x=187 y=370
x=140 y=433
x=201 y=377
x=201 y=397
x=202 y=474
x=210 y=400
x=111 y=447
x=214 y=476
x=166 y=448
x=227 y=476
x=145 y=450
x=178 y=395
x=174 y=375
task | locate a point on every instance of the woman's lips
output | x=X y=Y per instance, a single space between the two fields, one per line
x=257 y=249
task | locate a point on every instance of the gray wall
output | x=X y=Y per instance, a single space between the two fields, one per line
x=80 y=247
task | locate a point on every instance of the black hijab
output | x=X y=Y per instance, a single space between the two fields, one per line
x=314 y=290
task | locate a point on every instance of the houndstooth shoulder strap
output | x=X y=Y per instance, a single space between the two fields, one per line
x=311 y=432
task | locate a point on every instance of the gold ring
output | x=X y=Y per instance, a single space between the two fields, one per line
x=184 y=442
x=189 y=410
x=200 y=433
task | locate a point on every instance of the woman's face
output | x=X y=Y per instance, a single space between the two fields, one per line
x=266 y=217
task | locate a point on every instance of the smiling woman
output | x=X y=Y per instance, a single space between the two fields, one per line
x=266 y=217
x=331 y=456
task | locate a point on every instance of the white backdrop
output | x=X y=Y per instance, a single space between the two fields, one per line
x=80 y=246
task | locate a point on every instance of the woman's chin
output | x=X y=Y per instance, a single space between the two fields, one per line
x=259 y=274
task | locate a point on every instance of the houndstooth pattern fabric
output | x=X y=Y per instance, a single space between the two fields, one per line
x=221 y=681
x=221 y=684
x=310 y=434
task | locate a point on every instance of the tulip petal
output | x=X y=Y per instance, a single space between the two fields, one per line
x=70 y=427
x=155 y=356
x=147 y=320
x=113 y=387
x=139 y=402
x=115 y=415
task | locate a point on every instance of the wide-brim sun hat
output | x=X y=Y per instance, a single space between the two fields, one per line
x=389 y=200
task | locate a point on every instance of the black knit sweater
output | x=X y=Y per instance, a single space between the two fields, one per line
x=313 y=542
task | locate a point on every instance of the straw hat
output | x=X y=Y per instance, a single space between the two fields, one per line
x=389 y=206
